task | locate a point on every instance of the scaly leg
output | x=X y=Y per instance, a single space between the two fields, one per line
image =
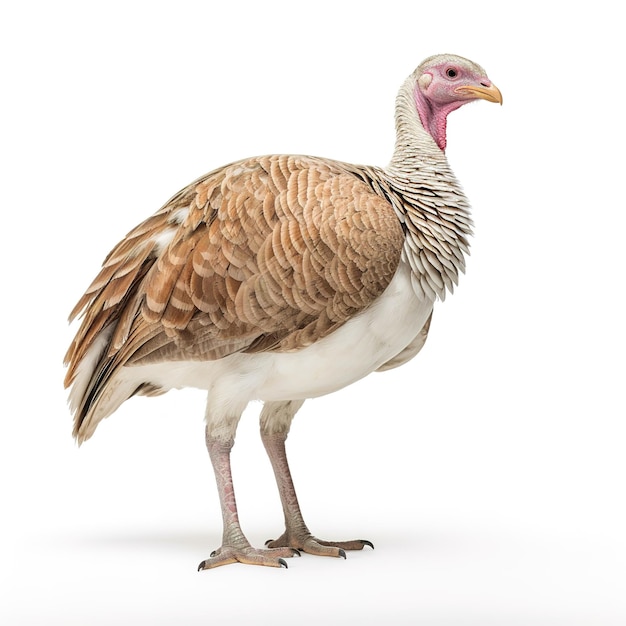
x=276 y=419
x=235 y=547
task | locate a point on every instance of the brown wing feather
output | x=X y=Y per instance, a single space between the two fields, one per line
x=270 y=253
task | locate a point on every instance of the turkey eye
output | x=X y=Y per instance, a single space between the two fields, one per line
x=451 y=73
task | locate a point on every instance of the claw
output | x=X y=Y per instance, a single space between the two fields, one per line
x=283 y=563
x=367 y=543
x=342 y=553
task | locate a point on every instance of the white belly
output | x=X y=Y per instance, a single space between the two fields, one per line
x=359 y=347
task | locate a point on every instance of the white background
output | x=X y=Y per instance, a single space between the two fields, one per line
x=489 y=472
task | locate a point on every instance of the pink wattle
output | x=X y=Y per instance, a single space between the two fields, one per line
x=434 y=116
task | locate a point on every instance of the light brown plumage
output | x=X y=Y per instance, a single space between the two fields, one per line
x=270 y=253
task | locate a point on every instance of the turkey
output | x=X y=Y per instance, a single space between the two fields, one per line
x=280 y=278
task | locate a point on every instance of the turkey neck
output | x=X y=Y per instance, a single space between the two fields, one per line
x=429 y=202
x=415 y=148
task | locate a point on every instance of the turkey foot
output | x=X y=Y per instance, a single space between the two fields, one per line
x=235 y=547
x=249 y=556
x=312 y=545
x=296 y=534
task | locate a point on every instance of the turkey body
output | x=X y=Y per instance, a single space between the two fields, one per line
x=281 y=278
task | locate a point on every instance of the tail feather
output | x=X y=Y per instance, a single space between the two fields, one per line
x=97 y=387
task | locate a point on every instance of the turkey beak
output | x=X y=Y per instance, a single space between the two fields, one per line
x=490 y=93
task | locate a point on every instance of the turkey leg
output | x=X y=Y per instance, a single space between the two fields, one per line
x=296 y=534
x=235 y=547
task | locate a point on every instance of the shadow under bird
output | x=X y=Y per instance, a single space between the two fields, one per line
x=280 y=278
